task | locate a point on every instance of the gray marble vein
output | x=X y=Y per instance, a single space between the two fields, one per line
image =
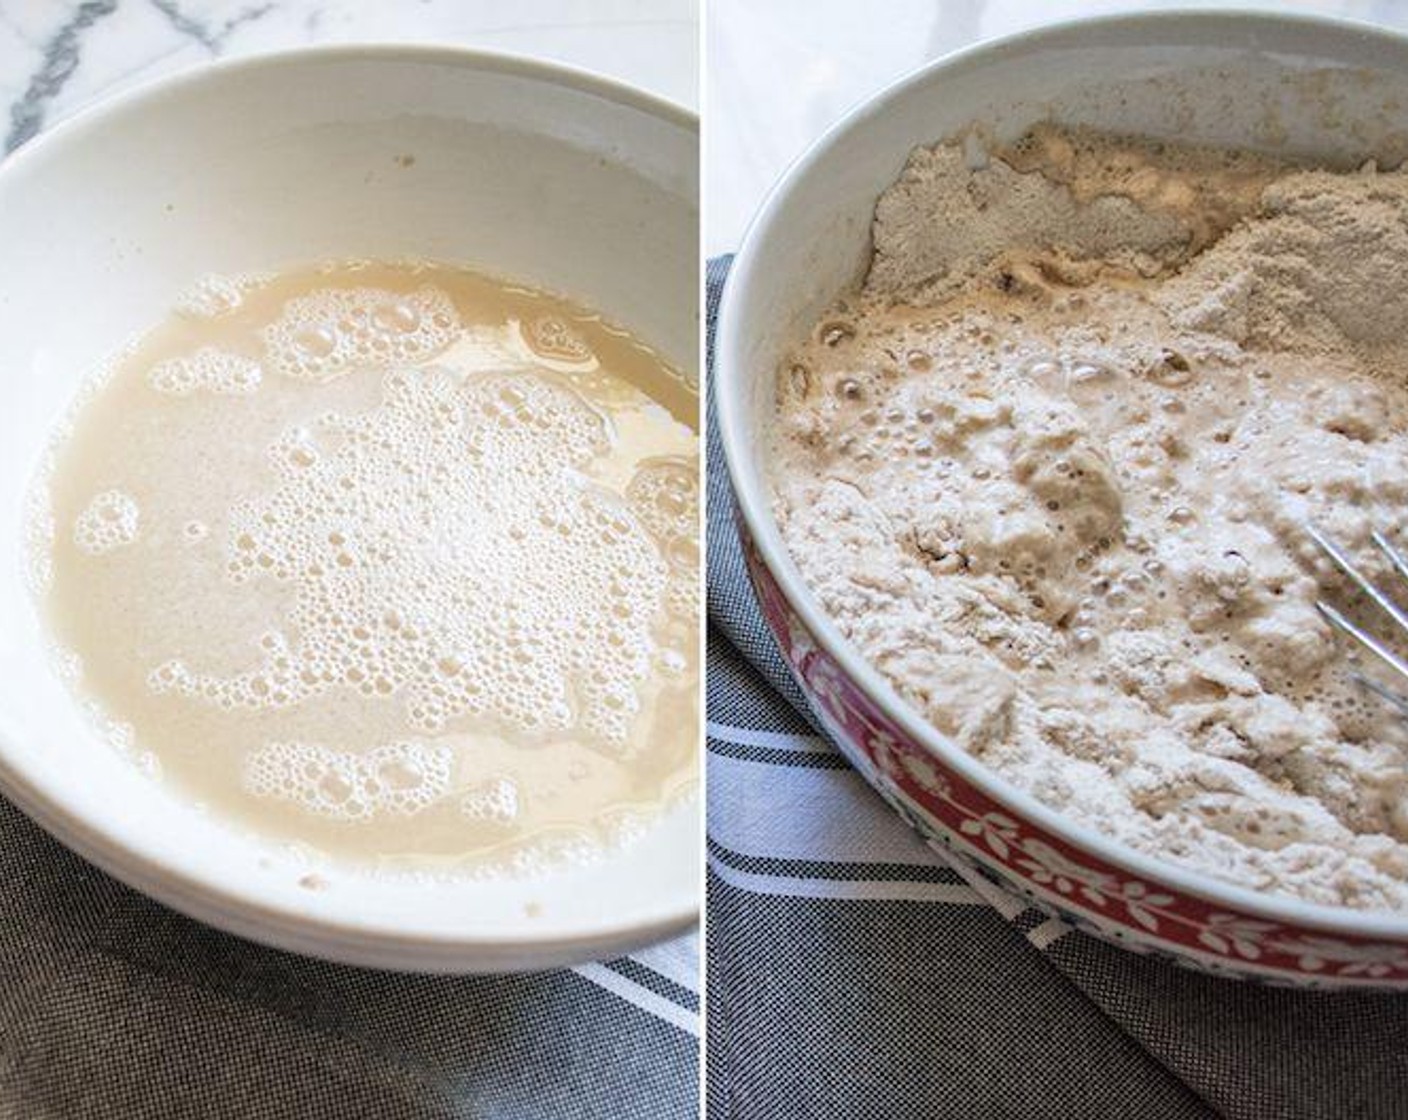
x=61 y=55
x=209 y=36
x=56 y=56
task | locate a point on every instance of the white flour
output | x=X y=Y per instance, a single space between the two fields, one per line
x=1049 y=472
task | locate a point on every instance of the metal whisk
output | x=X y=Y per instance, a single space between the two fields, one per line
x=1387 y=605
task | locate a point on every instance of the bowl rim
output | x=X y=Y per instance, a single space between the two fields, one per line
x=345 y=938
x=750 y=489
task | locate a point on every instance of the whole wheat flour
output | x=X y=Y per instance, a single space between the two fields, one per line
x=1050 y=471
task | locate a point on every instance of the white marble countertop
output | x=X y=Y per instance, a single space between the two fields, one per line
x=57 y=55
x=780 y=72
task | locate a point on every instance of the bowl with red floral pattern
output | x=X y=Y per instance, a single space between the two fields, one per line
x=1308 y=88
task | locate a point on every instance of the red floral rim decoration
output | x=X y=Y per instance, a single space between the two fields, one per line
x=1097 y=896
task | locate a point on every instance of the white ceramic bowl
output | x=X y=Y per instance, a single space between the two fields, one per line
x=526 y=170
x=1325 y=90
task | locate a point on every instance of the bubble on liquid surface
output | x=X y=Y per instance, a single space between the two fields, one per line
x=39 y=530
x=554 y=342
x=664 y=493
x=214 y=296
x=1087 y=382
x=322 y=335
x=209 y=368
x=109 y=521
x=394 y=780
x=447 y=553
x=494 y=802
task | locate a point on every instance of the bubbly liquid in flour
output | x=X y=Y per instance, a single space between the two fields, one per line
x=395 y=561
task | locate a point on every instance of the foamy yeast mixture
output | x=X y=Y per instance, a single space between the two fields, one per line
x=1050 y=471
x=398 y=562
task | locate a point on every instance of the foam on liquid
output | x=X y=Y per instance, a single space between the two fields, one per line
x=395 y=561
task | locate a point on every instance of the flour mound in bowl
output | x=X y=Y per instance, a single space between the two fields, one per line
x=1049 y=470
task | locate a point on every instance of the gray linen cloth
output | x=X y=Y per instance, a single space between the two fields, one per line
x=853 y=974
x=114 y=1006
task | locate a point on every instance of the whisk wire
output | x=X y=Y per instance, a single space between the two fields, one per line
x=1397 y=699
x=1345 y=565
x=1357 y=633
x=1364 y=638
x=1400 y=565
